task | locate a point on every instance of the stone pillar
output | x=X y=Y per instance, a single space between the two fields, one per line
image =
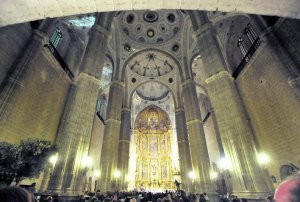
x=13 y=81
x=124 y=142
x=286 y=64
x=109 y=154
x=183 y=149
x=235 y=131
x=198 y=146
x=73 y=56
x=75 y=133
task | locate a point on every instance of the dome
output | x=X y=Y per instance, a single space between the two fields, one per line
x=152 y=91
x=151 y=63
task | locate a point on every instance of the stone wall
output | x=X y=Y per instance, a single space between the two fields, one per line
x=12 y=39
x=288 y=33
x=36 y=108
x=272 y=106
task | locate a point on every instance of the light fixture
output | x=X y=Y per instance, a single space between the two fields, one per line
x=86 y=161
x=117 y=174
x=225 y=163
x=263 y=158
x=97 y=173
x=150 y=33
x=192 y=175
x=213 y=175
x=53 y=159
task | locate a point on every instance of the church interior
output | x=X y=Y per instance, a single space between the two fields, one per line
x=136 y=99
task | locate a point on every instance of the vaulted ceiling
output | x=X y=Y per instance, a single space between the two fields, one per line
x=17 y=11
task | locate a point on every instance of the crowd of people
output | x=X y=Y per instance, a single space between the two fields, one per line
x=288 y=191
x=135 y=196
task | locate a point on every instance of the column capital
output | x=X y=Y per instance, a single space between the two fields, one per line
x=125 y=141
x=190 y=122
x=113 y=121
x=179 y=109
x=117 y=83
x=187 y=82
x=126 y=109
x=217 y=76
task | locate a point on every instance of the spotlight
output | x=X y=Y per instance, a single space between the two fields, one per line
x=97 y=173
x=86 y=161
x=53 y=159
x=263 y=158
x=225 y=163
x=117 y=174
x=192 y=175
x=213 y=175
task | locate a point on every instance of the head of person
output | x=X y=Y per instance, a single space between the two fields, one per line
x=15 y=194
x=288 y=191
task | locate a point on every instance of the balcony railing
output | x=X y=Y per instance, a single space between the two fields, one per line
x=246 y=59
x=60 y=60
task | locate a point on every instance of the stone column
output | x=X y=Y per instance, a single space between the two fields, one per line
x=235 y=131
x=124 y=142
x=198 y=146
x=109 y=154
x=13 y=81
x=183 y=149
x=73 y=56
x=75 y=133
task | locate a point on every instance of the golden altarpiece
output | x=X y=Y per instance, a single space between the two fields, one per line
x=153 y=146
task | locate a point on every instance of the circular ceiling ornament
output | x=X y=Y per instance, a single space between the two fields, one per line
x=151 y=63
x=130 y=18
x=171 y=17
x=151 y=27
x=150 y=33
x=150 y=16
x=175 y=47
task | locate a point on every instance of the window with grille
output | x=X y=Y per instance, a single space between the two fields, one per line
x=55 y=39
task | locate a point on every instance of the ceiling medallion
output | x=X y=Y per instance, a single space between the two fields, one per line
x=150 y=33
